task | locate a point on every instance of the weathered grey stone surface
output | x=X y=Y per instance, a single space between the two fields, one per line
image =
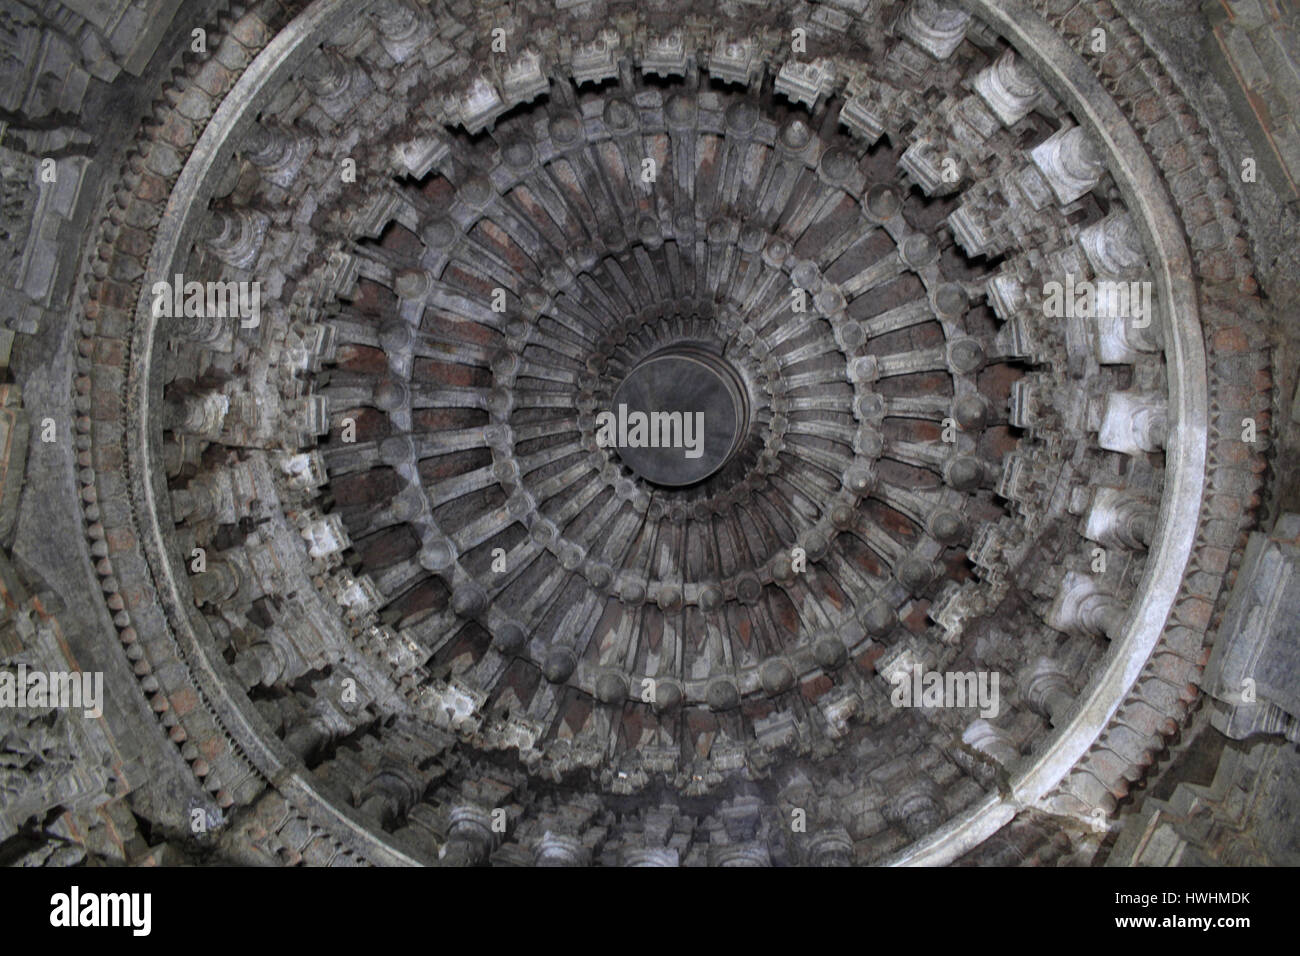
x=364 y=588
x=1252 y=671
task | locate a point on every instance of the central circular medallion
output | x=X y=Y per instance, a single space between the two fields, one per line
x=678 y=417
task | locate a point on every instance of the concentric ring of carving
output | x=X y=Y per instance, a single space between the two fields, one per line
x=834 y=344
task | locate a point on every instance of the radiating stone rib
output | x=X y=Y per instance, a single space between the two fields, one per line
x=428 y=395
x=441 y=345
x=887 y=267
x=355 y=329
x=833 y=465
x=578 y=501
x=927 y=407
x=557 y=484
x=856 y=234
x=459 y=307
x=591 y=181
x=916 y=312
x=815 y=485
x=916 y=503
x=533 y=366
x=819 y=402
x=814 y=379
x=913 y=361
x=398 y=578
x=371 y=518
x=528 y=464
x=929 y=455
x=517 y=228
x=778 y=325
x=599 y=526
x=615 y=546
x=518 y=560
x=538 y=191
x=543 y=597
x=818 y=348
x=449 y=489
x=830 y=431
x=347 y=391
x=851 y=578
x=347 y=459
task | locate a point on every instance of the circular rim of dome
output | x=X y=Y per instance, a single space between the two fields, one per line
x=1141 y=186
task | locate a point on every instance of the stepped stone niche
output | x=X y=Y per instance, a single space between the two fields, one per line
x=956 y=525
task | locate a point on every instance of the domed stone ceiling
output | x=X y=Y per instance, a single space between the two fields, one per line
x=383 y=580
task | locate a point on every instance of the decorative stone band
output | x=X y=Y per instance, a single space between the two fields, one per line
x=1034 y=780
x=287 y=52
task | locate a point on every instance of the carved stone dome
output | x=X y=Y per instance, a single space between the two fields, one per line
x=959 y=297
